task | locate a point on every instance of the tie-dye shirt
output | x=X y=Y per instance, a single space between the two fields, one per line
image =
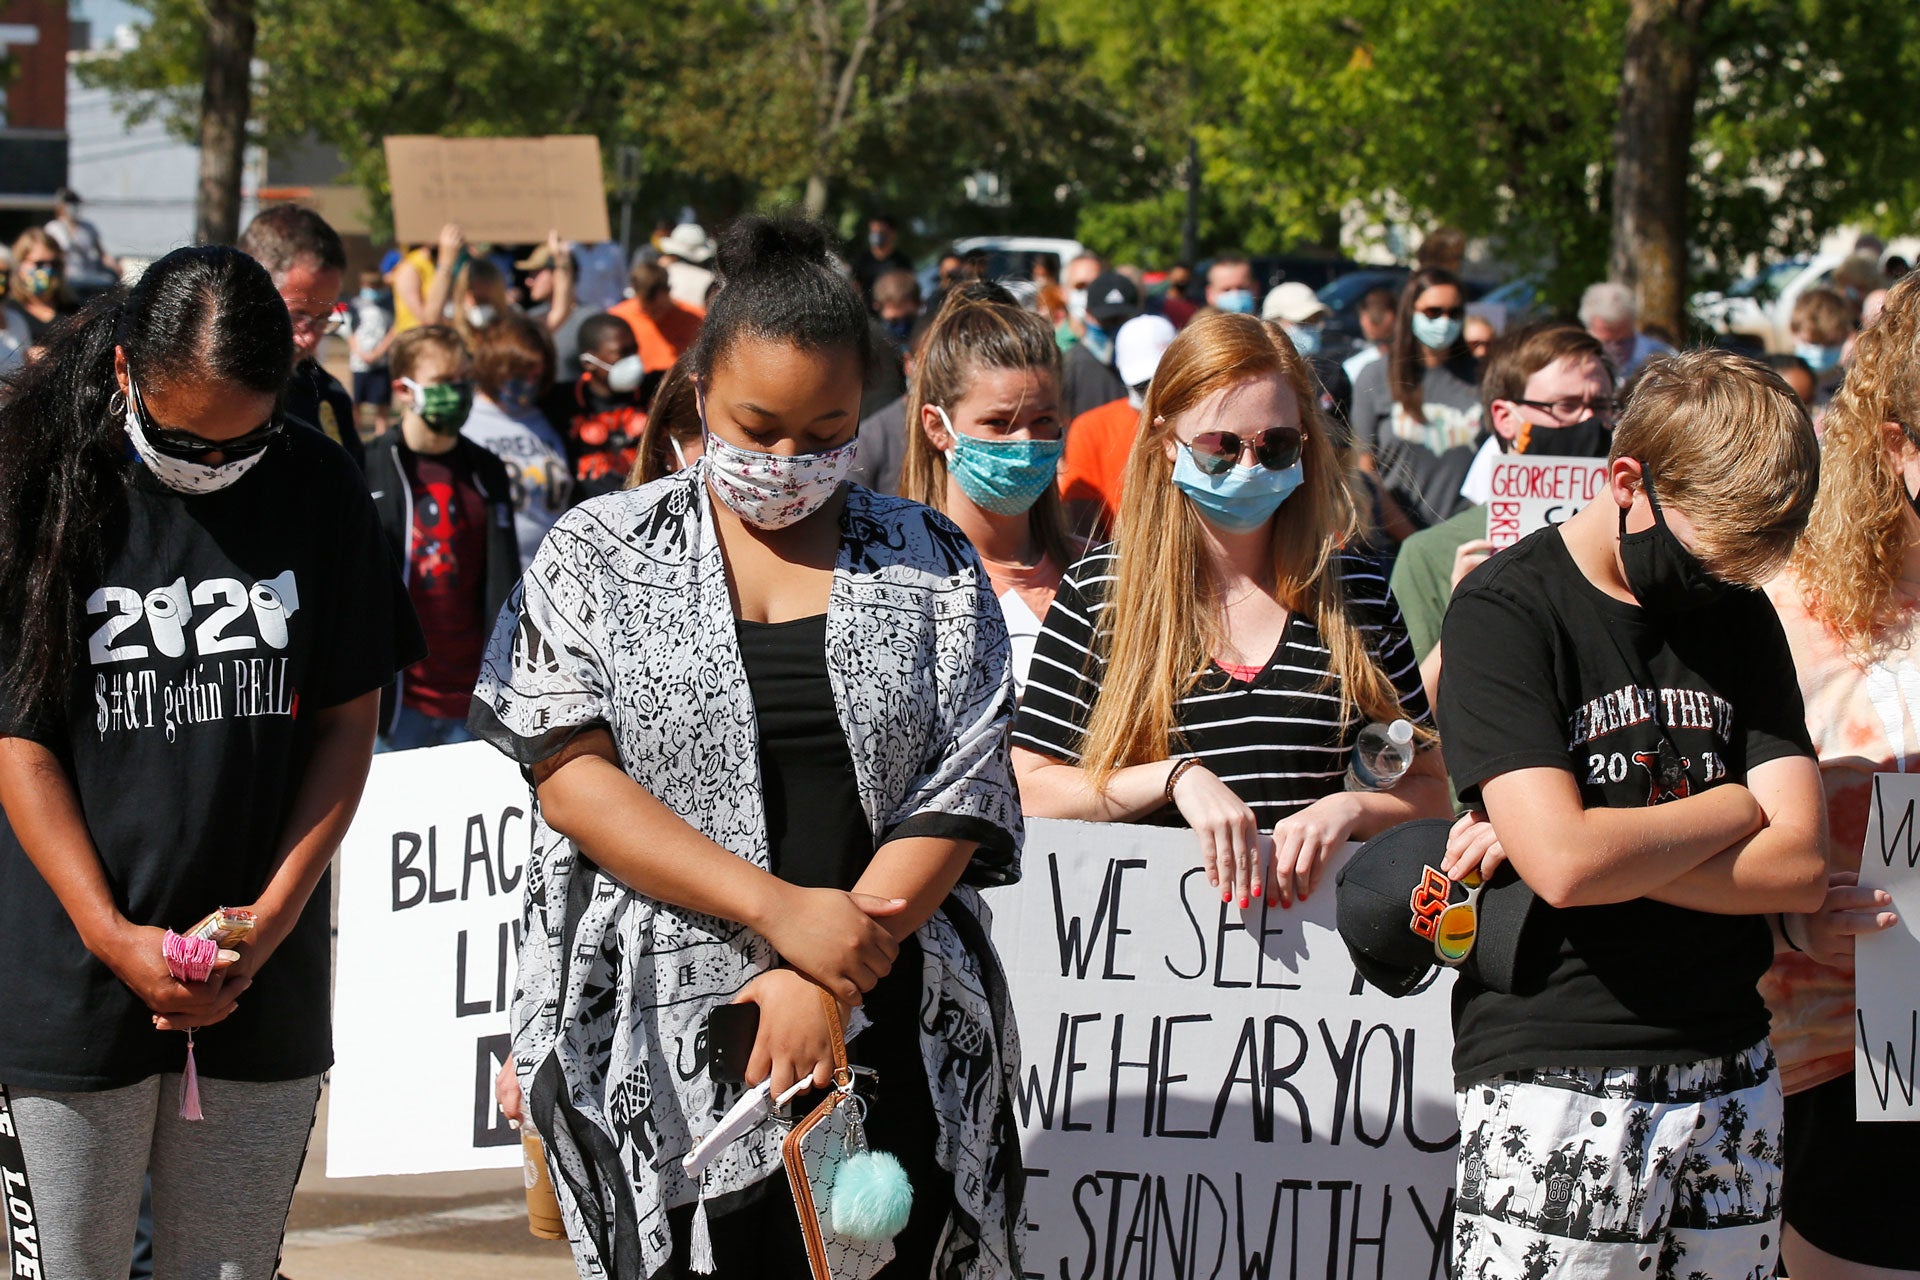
x=1864 y=718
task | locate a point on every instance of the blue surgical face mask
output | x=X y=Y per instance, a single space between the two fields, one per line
x=1099 y=343
x=1237 y=301
x=1239 y=500
x=1437 y=333
x=900 y=328
x=1819 y=359
x=1005 y=477
x=1306 y=338
x=369 y=294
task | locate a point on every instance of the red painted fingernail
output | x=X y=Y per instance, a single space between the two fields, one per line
x=1227 y=898
x=1243 y=903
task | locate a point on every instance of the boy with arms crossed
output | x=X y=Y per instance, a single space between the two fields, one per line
x=1619 y=708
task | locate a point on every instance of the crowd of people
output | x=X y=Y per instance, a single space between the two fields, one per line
x=793 y=591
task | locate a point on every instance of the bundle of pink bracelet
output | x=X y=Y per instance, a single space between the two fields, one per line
x=189 y=960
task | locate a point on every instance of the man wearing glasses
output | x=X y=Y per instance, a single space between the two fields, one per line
x=1547 y=392
x=307 y=261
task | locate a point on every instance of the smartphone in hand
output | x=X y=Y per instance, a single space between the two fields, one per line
x=731 y=1031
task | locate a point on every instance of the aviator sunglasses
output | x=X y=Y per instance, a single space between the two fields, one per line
x=1216 y=452
x=189 y=447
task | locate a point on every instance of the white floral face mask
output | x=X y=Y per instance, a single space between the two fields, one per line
x=177 y=473
x=771 y=491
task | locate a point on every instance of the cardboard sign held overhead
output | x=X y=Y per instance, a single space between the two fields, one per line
x=499 y=190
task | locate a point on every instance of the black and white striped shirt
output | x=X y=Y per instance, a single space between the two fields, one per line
x=1279 y=742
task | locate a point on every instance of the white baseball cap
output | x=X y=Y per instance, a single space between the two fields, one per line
x=1138 y=346
x=1294 y=303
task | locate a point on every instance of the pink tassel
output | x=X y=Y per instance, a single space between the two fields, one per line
x=190 y=1087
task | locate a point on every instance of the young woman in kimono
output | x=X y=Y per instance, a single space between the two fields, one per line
x=765 y=713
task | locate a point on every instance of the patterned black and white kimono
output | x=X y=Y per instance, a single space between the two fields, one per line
x=624 y=620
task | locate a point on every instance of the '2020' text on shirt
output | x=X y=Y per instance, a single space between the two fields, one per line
x=220 y=625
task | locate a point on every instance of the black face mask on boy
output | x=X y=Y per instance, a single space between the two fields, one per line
x=1662 y=574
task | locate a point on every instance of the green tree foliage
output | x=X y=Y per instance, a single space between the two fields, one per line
x=1167 y=67
x=350 y=72
x=1497 y=116
x=730 y=105
x=1805 y=122
x=1493 y=115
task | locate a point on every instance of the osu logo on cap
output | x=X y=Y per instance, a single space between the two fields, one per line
x=1450 y=926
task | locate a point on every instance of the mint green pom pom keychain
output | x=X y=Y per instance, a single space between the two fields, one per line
x=871 y=1197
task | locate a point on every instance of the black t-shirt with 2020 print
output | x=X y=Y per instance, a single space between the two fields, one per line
x=222 y=623
x=1545 y=670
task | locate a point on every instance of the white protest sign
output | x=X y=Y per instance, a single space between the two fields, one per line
x=430 y=880
x=1886 y=994
x=1204 y=1090
x=1528 y=494
x=1207 y=1091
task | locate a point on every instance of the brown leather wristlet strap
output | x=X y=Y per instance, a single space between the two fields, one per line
x=838 y=1031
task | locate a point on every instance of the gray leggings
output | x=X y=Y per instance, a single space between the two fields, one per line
x=221 y=1186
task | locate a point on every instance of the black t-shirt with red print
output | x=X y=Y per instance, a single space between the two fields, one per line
x=447 y=580
x=1545 y=670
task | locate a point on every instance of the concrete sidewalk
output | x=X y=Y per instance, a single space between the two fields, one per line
x=470 y=1225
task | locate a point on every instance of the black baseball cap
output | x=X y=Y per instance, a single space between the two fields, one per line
x=1389 y=900
x=1112 y=298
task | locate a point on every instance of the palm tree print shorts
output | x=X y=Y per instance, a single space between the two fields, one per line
x=1666 y=1173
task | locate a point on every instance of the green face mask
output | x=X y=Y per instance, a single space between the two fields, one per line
x=443 y=406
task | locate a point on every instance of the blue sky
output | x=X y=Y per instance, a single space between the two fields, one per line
x=105 y=15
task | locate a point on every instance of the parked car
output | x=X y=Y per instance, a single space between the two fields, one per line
x=1314 y=272
x=1008 y=257
x=1342 y=297
x=1760 y=307
x=1514 y=303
